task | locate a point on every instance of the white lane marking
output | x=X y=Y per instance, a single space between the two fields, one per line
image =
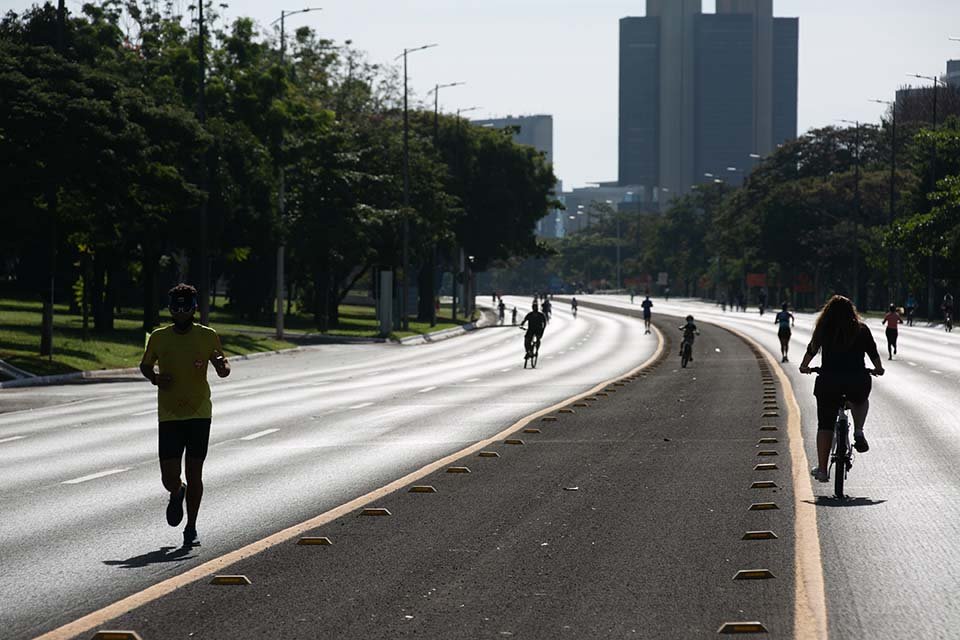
x=935 y=371
x=319 y=384
x=94 y=476
x=249 y=393
x=259 y=434
x=473 y=380
x=12 y=438
x=912 y=364
x=361 y=405
x=374 y=373
x=504 y=370
x=143 y=413
x=427 y=390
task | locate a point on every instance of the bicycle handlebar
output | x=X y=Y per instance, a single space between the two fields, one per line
x=872 y=372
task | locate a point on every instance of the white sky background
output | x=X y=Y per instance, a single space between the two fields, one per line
x=560 y=57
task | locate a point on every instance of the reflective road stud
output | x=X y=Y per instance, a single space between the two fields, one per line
x=375 y=511
x=567 y=411
x=759 y=535
x=764 y=484
x=580 y=404
x=116 y=635
x=763 y=506
x=458 y=470
x=488 y=454
x=231 y=580
x=742 y=627
x=753 y=574
x=549 y=419
x=769 y=428
x=531 y=430
x=767 y=441
x=314 y=541
x=766 y=466
x=767 y=453
x=513 y=441
x=422 y=488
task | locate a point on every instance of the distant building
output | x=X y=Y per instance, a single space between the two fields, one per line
x=916 y=104
x=537 y=132
x=625 y=198
x=703 y=92
x=953 y=73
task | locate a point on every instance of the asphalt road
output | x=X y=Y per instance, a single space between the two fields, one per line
x=891 y=557
x=624 y=519
x=293 y=436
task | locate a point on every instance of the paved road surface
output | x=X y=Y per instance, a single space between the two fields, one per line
x=891 y=558
x=293 y=436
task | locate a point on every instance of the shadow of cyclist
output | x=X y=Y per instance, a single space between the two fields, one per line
x=831 y=501
x=161 y=555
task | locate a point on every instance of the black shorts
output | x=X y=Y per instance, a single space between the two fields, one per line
x=177 y=436
x=892 y=335
x=829 y=390
x=784 y=333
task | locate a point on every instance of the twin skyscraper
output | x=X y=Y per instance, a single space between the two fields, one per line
x=703 y=96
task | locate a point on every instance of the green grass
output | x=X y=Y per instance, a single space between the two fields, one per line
x=123 y=347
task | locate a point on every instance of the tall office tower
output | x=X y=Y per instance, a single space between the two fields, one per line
x=701 y=93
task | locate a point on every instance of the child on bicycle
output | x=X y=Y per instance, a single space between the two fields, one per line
x=842 y=339
x=690 y=331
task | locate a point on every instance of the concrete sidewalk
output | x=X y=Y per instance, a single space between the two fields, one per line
x=621 y=515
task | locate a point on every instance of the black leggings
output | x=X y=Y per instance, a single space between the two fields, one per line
x=830 y=391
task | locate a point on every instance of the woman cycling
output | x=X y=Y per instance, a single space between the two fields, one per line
x=843 y=340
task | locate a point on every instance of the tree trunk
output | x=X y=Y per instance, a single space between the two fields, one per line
x=149 y=282
x=96 y=294
x=425 y=292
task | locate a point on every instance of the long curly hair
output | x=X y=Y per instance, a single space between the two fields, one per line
x=838 y=325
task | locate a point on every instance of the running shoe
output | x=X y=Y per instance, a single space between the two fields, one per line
x=175 y=506
x=190 y=538
x=820 y=476
x=860 y=442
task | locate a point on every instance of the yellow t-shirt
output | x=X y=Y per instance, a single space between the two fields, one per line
x=185 y=357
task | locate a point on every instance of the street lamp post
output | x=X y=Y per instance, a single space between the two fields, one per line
x=405 y=321
x=856 y=213
x=436 y=144
x=458 y=251
x=281 y=187
x=931 y=289
x=893 y=289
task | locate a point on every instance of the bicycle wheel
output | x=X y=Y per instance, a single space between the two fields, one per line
x=840 y=461
x=685 y=358
x=536 y=354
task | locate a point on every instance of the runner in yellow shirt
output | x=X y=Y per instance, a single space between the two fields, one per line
x=183 y=350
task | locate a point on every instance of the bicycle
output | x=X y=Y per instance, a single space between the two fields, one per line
x=948 y=322
x=533 y=354
x=841 y=455
x=574 y=312
x=686 y=352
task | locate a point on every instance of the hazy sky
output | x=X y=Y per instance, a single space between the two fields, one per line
x=560 y=57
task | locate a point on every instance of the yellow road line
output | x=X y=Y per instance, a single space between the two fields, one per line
x=211 y=567
x=810 y=602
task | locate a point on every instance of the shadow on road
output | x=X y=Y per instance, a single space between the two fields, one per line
x=161 y=555
x=830 y=501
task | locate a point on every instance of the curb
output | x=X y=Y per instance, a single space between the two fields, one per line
x=487 y=318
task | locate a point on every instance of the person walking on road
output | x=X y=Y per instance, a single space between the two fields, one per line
x=184 y=410
x=910 y=306
x=842 y=339
x=514 y=319
x=502 y=308
x=762 y=297
x=647 y=305
x=785 y=320
x=892 y=319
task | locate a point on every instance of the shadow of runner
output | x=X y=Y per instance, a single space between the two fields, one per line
x=161 y=555
x=830 y=501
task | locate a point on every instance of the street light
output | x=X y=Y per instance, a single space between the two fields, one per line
x=457 y=258
x=933 y=187
x=405 y=322
x=281 y=189
x=891 y=272
x=856 y=213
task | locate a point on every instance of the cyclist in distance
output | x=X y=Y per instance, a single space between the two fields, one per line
x=690 y=331
x=892 y=319
x=547 y=308
x=536 y=322
x=786 y=320
x=842 y=339
x=947 y=308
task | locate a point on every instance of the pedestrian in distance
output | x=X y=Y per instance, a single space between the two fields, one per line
x=514 y=319
x=666 y=294
x=502 y=308
x=762 y=297
x=911 y=306
x=182 y=351
x=892 y=319
x=785 y=320
x=632 y=294
x=647 y=305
